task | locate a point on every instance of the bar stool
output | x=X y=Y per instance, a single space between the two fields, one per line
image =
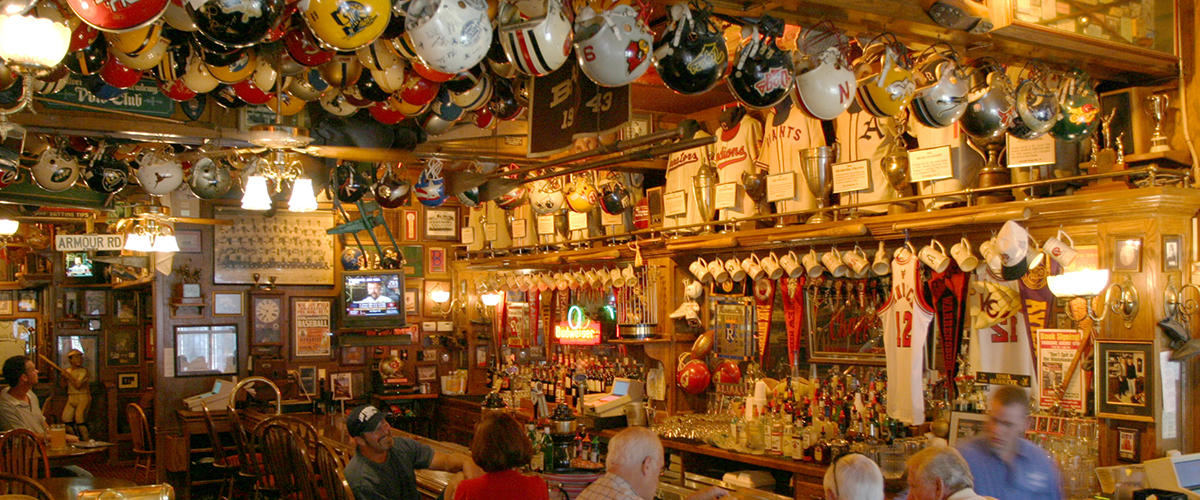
x=227 y=466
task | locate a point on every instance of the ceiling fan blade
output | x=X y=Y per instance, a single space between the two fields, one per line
x=217 y=153
x=461 y=181
x=362 y=154
x=496 y=188
x=207 y=222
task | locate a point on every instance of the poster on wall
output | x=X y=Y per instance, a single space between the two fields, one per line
x=1056 y=349
x=310 y=327
x=290 y=247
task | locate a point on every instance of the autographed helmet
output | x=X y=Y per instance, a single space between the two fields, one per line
x=347 y=25
x=614 y=46
x=208 y=179
x=691 y=57
x=762 y=73
x=449 y=35
x=546 y=196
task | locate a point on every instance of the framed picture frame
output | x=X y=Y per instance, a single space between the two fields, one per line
x=227 y=304
x=127 y=381
x=293 y=248
x=308 y=380
x=1125 y=389
x=412 y=301
x=27 y=301
x=436 y=260
x=312 y=320
x=966 y=425
x=6 y=302
x=149 y=353
x=1127 y=255
x=1129 y=444
x=126 y=307
x=189 y=240
x=267 y=318
x=411 y=225
x=1172 y=252
x=123 y=346
x=93 y=303
x=481 y=356
x=441 y=224
x=426 y=373
x=414 y=260
x=354 y=355
x=341 y=385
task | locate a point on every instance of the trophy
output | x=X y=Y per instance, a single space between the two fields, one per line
x=993 y=173
x=1156 y=107
x=704 y=189
x=755 y=183
x=818 y=173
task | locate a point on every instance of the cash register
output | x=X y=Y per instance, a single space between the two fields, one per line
x=610 y=404
x=1175 y=473
x=216 y=399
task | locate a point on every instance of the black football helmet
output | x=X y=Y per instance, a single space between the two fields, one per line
x=762 y=73
x=691 y=57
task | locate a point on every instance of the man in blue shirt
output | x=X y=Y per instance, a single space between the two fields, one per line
x=1006 y=465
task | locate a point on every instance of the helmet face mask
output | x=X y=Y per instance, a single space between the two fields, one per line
x=691 y=58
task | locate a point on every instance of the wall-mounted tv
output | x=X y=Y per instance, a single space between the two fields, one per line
x=373 y=300
x=81 y=268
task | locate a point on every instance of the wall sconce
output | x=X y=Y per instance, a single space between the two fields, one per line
x=8 y=227
x=439 y=297
x=1174 y=303
x=489 y=297
x=1177 y=323
x=1088 y=284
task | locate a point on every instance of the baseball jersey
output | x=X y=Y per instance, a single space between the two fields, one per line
x=681 y=168
x=1004 y=347
x=785 y=135
x=965 y=162
x=734 y=153
x=863 y=138
x=906 y=319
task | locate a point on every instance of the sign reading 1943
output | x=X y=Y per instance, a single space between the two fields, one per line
x=86 y=242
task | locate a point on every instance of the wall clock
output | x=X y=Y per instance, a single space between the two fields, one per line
x=266 y=318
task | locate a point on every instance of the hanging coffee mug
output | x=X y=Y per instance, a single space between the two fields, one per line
x=753 y=267
x=857 y=260
x=881 y=265
x=832 y=260
x=1063 y=253
x=934 y=256
x=717 y=268
x=991 y=255
x=790 y=263
x=699 y=269
x=813 y=264
x=770 y=265
x=961 y=252
x=734 y=266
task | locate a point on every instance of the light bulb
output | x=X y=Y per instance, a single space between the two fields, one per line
x=302 y=199
x=138 y=243
x=439 y=296
x=8 y=227
x=166 y=243
x=256 y=197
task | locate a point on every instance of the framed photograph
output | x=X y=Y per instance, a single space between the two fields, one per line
x=354 y=355
x=1172 y=252
x=93 y=303
x=27 y=301
x=1127 y=255
x=6 y=302
x=412 y=301
x=227 y=304
x=149 y=352
x=1043 y=424
x=189 y=240
x=411 y=225
x=126 y=305
x=1055 y=425
x=436 y=261
x=291 y=247
x=123 y=346
x=341 y=385
x=481 y=356
x=267 y=315
x=427 y=373
x=1128 y=440
x=308 y=380
x=414 y=260
x=127 y=381
x=1125 y=390
x=441 y=224
x=311 y=327
x=965 y=425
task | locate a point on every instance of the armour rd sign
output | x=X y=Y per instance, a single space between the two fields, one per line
x=85 y=242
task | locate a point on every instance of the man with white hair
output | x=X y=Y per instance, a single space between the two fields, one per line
x=853 y=477
x=940 y=473
x=635 y=460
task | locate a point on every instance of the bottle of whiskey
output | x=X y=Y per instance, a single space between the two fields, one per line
x=821 y=450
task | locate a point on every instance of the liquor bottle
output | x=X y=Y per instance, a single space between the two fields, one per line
x=797 y=437
x=776 y=439
x=547 y=446
x=757 y=438
x=821 y=450
x=537 y=463
x=786 y=441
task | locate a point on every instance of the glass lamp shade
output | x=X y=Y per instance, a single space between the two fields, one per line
x=166 y=243
x=8 y=227
x=303 y=199
x=256 y=197
x=490 y=299
x=32 y=44
x=439 y=296
x=138 y=243
x=1085 y=283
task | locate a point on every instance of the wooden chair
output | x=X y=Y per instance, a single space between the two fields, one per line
x=16 y=484
x=139 y=430
x=285 y=459
x=227 y=466
x=251 y=473
x=24 y=453
x=331 y=482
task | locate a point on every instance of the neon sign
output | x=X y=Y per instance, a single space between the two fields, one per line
x=577 y=329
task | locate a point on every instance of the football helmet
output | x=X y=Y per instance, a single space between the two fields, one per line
x=825 y=84
x=885 y=79
x=691 y=57
x=135 y=42
x=582 y=194
x=336 y=104
x=350 y=181
x=305 y=49
x=475 y=97
x=208 y=179
x=238 y=70
x=1037 y=109
x=1079 y=107
x=118 y=75
x=198 y=77
x=449 y=35
x=430 y=187
x=308 y=86
x=369 y=89
x=10 y=171
x=536 y=46
x=346 y=25
x=504 y=103
x=941 y=98
x=379 y=55
x=614 y=196
x=342 y=72
x=146 y=59
x=614 y=46
x=434 y=124
x=392 y=191
x=89 y=60
x=55 y=171
x=991 y=107
x=762 y=73
x=106 y=175
x=260 y=87
x=546 y=196
x=158 y=172
x=235 y=23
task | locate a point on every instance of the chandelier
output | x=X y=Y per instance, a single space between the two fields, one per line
x=30 y=44
x=279 y=167
x=150 y=231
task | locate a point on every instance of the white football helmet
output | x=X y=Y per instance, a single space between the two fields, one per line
x=826 y=84
x=613 y=47
x=535 y=46
x=451 y=35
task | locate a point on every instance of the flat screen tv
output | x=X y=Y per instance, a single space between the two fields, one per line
x=373 y=300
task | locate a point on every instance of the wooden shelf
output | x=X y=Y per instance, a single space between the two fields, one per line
x=357 y=339
x=138 y=283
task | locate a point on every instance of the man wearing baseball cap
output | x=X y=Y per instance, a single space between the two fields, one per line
x=383 y=468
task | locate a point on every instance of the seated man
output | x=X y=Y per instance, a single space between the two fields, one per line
x=19 y=407
x=940 y=473
x=635 y=460
x=853 y=477
x=383 y=468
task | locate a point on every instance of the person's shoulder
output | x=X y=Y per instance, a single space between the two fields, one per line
x=1035 y=452
x=975 y=444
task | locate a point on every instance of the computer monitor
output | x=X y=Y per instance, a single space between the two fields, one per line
x=1181 y=473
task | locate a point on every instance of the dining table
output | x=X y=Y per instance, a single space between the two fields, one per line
x=69 y=488
x=75 y=453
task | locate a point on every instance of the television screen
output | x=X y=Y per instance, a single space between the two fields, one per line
x=79 y=265
x=373 y=294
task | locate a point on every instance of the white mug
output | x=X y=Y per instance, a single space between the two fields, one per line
x=605 y=277
x=511 y=281
x=857 y=261
x=1063 y=253
x=905 y=251
x=693 y=289
x=753 y=267
x=617 y=279
x=699 y=269
x=832 y=260
x=812 y=263
x=734 y=266
x=881 y=265
x=991 y=255
x=630 y=275
x=790 y=262
x=770 y=265
x=545 y=282
x=717 y=268
x=961 y=252
x=594 y=278
x=934 y=256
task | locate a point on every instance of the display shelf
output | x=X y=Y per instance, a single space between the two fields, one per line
x=358 y=339
x=139 y=283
